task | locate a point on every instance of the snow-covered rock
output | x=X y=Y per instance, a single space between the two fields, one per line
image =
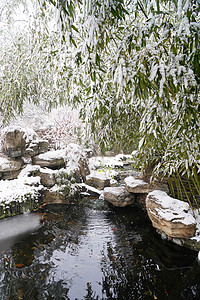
x=9 y=168
x=117 y=161
x=99 y=179
x=54 y=159
x=19 y=194
x=36 y=147
x=118 y=196
x=87 y=190
x=16 y=139
x=139 y=186
x=170 y=215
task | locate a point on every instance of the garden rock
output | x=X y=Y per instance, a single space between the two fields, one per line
x=47 y=176
x=52 y=159
x=139 y=186
x=87 y=190
x=36 y=147
x=118 y=196
x=54 y=197
x=98 y=180
x=172 y=216
x=9 y=168
x=16 y=139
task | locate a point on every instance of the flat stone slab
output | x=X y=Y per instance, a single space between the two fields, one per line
x=118 y=196
x=172 y=216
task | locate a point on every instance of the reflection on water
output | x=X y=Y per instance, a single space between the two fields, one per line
x=15 y=228
x=90 y=253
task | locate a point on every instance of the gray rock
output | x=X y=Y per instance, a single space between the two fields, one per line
x=118 y=196
x=47 y=176
x=137 y=186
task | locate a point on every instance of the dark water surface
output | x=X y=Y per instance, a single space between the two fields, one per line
x=93 y=252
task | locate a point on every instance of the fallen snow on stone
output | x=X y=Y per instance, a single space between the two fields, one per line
x=172 y=209
x=115 y=190
x=29 y=133
x=102 y=175
x=133 y=182
x=4 y=163
x=108 y=161
x=90 y=188
x=27 y=171
x=15 y=190
x=52 y=155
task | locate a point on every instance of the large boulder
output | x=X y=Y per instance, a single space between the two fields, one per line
x=54 y=159
x=118 y=196
x=16 y=139
x=169 y=215
x=9 y=168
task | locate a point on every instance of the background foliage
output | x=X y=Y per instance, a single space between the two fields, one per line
x=133 y=67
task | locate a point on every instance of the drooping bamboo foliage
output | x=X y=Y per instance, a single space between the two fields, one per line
x=133 y=68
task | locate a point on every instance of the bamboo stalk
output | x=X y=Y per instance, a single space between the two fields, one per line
x=186 y=194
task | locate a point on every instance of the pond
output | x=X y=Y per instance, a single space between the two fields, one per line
x=93 y=252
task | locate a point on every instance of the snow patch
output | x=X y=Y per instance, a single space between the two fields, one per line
x=133 y=182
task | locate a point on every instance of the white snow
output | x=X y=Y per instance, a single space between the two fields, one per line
x=133 y=182
x=90 y=188
x=108 y=161
x=73 y=154
x=4 y=163
x=102 y=174
x=15 y=190
x=53 y=154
